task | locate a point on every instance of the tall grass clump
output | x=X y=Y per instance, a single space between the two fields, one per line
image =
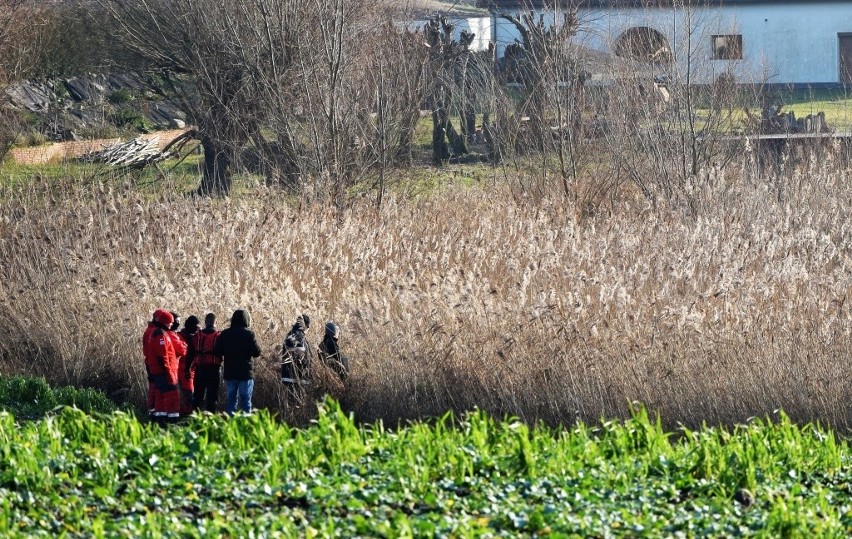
x=464 y=297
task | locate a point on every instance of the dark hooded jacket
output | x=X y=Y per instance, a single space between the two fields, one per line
x=329 y=352
x=299 y=337
x=238 y=345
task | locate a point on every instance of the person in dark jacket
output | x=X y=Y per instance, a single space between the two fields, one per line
x=238 y=346
x=296 y=354
x=329 y=351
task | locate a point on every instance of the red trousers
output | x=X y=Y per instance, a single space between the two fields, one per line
x=186 y=381
x=166 y=398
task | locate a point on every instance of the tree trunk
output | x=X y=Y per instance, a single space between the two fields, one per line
x=458 y=142
x=440 y=151
x=216 y=171
x=468 y=125
x=404 y=154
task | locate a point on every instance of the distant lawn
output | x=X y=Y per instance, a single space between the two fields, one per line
x=180 y=175
x=835 y=103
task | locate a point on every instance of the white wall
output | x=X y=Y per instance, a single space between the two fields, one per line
x=790 y=42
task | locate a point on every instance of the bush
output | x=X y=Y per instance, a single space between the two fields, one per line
x=128 y=118
x=120 y=96
x=31 y=398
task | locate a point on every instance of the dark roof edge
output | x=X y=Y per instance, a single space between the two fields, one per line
x=506 y=4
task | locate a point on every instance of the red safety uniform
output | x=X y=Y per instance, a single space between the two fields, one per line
x=151 y=388
x=207 y=369
x=186 y=372
x=161 y=362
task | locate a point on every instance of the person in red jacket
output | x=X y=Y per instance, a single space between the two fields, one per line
x=161 y=361
x=152 y=389
x=186 y=365
x=208 y=366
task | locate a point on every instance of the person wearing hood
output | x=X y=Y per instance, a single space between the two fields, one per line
x=296 y=354
x=329 y=351
x=238 y=347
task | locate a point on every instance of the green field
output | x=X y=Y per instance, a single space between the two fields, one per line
x=76 y=475
x=835 y=103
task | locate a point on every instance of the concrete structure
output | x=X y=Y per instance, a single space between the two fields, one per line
x=756 y=41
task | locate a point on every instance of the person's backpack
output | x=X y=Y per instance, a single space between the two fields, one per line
x=295 y=362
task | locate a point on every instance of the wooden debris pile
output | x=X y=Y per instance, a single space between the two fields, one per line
x=136 y=153
x=773 y=120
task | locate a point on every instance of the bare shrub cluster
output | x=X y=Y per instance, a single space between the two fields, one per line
x=21 y=42
x=509 y=304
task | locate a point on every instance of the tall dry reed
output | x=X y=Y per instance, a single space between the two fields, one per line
x=468 y=297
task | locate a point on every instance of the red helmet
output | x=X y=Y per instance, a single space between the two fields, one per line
x=163 y=317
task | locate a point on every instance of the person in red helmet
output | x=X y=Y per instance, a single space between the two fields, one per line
x=161 y=361
x=186 y=365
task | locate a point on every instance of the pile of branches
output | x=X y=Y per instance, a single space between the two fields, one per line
x=134 y=154
x=772 y=120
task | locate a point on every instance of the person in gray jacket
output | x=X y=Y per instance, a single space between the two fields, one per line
x=238 y=347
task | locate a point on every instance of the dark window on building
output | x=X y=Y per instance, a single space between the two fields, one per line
x=728 y=47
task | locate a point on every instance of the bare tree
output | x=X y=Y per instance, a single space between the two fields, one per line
x=335 y=92
x=667 y=130
x=549 y=71
x=312 y=76
x=278 y=78
x=207 y=56
x=448 y=61
x=395 y=77
x=22 y=36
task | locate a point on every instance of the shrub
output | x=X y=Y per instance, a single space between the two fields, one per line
x=129 y=118
x=120 y=96
x=32 y=397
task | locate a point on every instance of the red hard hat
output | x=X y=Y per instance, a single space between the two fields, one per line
x=163 y=317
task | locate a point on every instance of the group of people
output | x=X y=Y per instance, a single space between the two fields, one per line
x=185 y=366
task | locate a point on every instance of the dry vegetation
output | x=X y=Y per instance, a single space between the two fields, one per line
x=469 y=297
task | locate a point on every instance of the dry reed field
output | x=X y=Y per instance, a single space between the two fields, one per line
x=469 y=297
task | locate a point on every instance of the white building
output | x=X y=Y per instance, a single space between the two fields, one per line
x=757 y=41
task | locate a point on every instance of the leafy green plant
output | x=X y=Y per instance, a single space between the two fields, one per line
x=467 y=476
x=32 y=397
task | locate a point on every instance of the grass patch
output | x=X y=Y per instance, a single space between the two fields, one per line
x=835 y=103
x=32 y=397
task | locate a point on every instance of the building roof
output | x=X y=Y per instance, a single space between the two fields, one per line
x=520 y=4
x=458 y=8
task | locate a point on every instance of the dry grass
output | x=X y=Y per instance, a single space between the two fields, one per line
x=465 y=298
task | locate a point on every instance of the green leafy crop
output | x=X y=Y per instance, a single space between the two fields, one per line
x=30 y=398
x=77 y=475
